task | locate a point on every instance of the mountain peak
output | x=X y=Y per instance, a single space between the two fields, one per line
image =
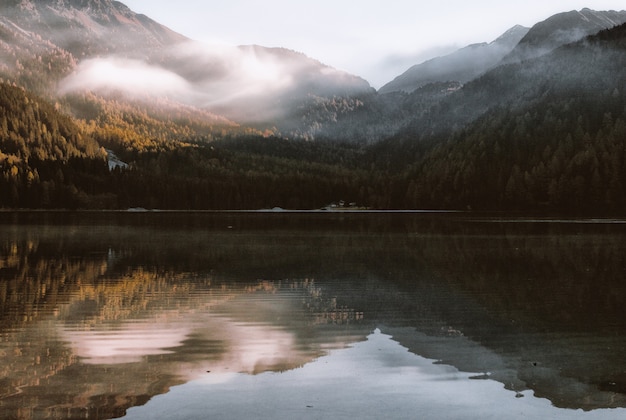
x=88 y=27
x=563 y=28
x=90 y=6
x=514 y=34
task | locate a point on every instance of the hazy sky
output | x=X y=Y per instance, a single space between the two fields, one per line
x=375 y=39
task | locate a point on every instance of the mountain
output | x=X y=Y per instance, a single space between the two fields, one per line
x=420 y=94
x=88 y=27
x=60 y=47
x=368 y=118
x=42 y=42
x=254 y=84
x=539 y=134
x=461 y=66
x=562 y=29
x=544 y=133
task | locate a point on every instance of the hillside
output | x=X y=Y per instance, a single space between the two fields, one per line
x=44 y=155
x=369 y=118
x=550 y=137
x=49 y=160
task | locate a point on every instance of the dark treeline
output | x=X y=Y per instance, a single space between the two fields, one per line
x=248 y=173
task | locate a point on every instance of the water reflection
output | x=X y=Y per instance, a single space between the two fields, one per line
x=111 y=343
x=100 y=312
x=374 y=379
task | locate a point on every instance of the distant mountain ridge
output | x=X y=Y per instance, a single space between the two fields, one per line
x=518 y=43
x=461 y=66
x=419 y=94
x=561 y=29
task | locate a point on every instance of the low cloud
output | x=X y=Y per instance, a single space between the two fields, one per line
x=212 y=77
x=130 y=76
x=221 y=74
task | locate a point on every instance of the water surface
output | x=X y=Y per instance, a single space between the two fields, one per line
x=313 y=315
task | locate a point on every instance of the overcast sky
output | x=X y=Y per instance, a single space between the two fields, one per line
x=374 y=39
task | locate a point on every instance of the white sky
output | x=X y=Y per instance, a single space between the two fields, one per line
x=374 y=39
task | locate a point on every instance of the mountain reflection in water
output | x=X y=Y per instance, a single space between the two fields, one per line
x=106 y=348
x=101 y=312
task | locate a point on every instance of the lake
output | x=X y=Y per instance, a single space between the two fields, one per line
x=316 y=315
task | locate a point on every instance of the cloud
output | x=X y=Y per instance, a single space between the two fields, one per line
x=133 y=77
x=192 y=73
x=221 y=74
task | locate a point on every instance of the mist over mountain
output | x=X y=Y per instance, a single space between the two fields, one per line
x=460 y=66
x=102 y=46
x=561 y=29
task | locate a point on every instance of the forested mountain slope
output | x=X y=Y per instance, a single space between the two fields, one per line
x=552 y=137
x=44 y=155
x=49 y=160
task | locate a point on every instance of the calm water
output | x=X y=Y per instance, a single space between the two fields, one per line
x=310 y=315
